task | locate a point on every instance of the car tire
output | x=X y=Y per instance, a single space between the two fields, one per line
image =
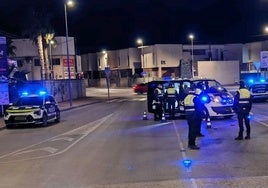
x=9 y=126
x=57 y=120
x=44 y=120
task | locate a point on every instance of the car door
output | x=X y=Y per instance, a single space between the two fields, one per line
x=50 y=107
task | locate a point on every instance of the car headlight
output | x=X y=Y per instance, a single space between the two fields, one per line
x=38 y=112
x=6 y=114
x=216 y=99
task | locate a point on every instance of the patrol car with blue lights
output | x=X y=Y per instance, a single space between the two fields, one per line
x=217 y=99
x=258 y=88
x=38 y=108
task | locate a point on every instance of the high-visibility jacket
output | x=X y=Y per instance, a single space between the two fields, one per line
x=189 y=103
x=171 y=92
x=158 y=94
x=242 y=100
x=244 y=97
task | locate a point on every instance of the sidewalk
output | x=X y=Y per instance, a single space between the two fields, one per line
x=76 y=103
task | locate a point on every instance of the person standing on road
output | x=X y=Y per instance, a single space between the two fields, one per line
x=205 y=113
x=171 y=96
x=194 y=111
x=242 y=107
x=159 y=97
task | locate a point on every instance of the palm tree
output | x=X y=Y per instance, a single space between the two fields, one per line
x=10 y=48
x=47 y=38
x=37 y=27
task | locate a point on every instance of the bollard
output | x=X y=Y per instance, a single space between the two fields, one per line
x=208 y=123
x=163 y=117
x=145 y=115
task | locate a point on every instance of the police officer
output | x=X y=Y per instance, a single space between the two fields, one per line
x=159 y=97
x=194 y=111
x=205 y=114
x=242 y=107
x=171 y=96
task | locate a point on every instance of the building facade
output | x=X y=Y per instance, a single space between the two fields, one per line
x=132 y=65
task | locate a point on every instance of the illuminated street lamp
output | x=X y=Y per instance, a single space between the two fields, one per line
x=68 y=3
x=191 y=37
x=51 y=42
x=140 y=42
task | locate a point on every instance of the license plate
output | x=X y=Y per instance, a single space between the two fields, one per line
x=20 y=118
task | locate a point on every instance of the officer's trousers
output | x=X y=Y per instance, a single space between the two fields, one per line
x=171 y=107
x=193 y=124
x=243 y=116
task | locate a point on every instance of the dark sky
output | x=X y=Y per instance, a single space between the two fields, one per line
x=116 y=24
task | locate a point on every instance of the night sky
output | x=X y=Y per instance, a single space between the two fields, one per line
x=116 y=24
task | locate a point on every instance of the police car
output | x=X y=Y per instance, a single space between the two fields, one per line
x=220 y=103
x=217 y=99
x=32 y=109
x=258 y=89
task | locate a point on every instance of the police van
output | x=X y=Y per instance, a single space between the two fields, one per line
x=219 y=101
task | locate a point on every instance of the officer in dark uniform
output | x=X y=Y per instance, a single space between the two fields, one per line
x=242 y=107
x=159 y=97
x=171 y=96
x=194 y=111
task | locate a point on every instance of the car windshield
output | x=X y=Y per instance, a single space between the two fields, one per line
x=23 y=101
x=210 y=86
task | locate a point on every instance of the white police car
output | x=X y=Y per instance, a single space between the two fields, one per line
x=220 y=101
x=32 y=109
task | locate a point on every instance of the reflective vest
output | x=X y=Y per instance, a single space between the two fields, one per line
x=159 y=93
x=189 y=103
x=244 y=96
x=171 y=92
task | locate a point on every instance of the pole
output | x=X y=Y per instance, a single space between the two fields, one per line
x=68 y=58
x=192 y=45
x=51 y=63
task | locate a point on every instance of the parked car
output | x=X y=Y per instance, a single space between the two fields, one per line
x=140 y=88
x=32 y=109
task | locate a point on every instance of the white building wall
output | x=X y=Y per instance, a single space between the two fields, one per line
x=26 y=51
x=226 y=72
x=168 y=54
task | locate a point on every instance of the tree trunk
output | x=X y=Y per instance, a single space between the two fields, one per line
x=41 y=56
x=46 y=58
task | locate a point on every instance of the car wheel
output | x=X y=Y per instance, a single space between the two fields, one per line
x=9 y=126
x=44 y=119
x=57 y=120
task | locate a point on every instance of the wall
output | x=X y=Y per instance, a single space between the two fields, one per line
x=226 y=72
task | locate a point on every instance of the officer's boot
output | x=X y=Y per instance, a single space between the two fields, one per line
x=248 y=135
x=240 y=136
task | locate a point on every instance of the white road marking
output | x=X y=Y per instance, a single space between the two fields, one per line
x=184 y=156
x=88 y=126
x=63 y=138
x=47 y=149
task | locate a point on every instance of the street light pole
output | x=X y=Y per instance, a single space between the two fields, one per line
x=50 y=59
x=191 y=37
x=67 y=49
x=140 y=42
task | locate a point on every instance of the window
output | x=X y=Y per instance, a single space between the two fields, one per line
x=36 y=62
x=56 y=61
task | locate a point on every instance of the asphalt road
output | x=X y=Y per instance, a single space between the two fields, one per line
x=108 y=144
